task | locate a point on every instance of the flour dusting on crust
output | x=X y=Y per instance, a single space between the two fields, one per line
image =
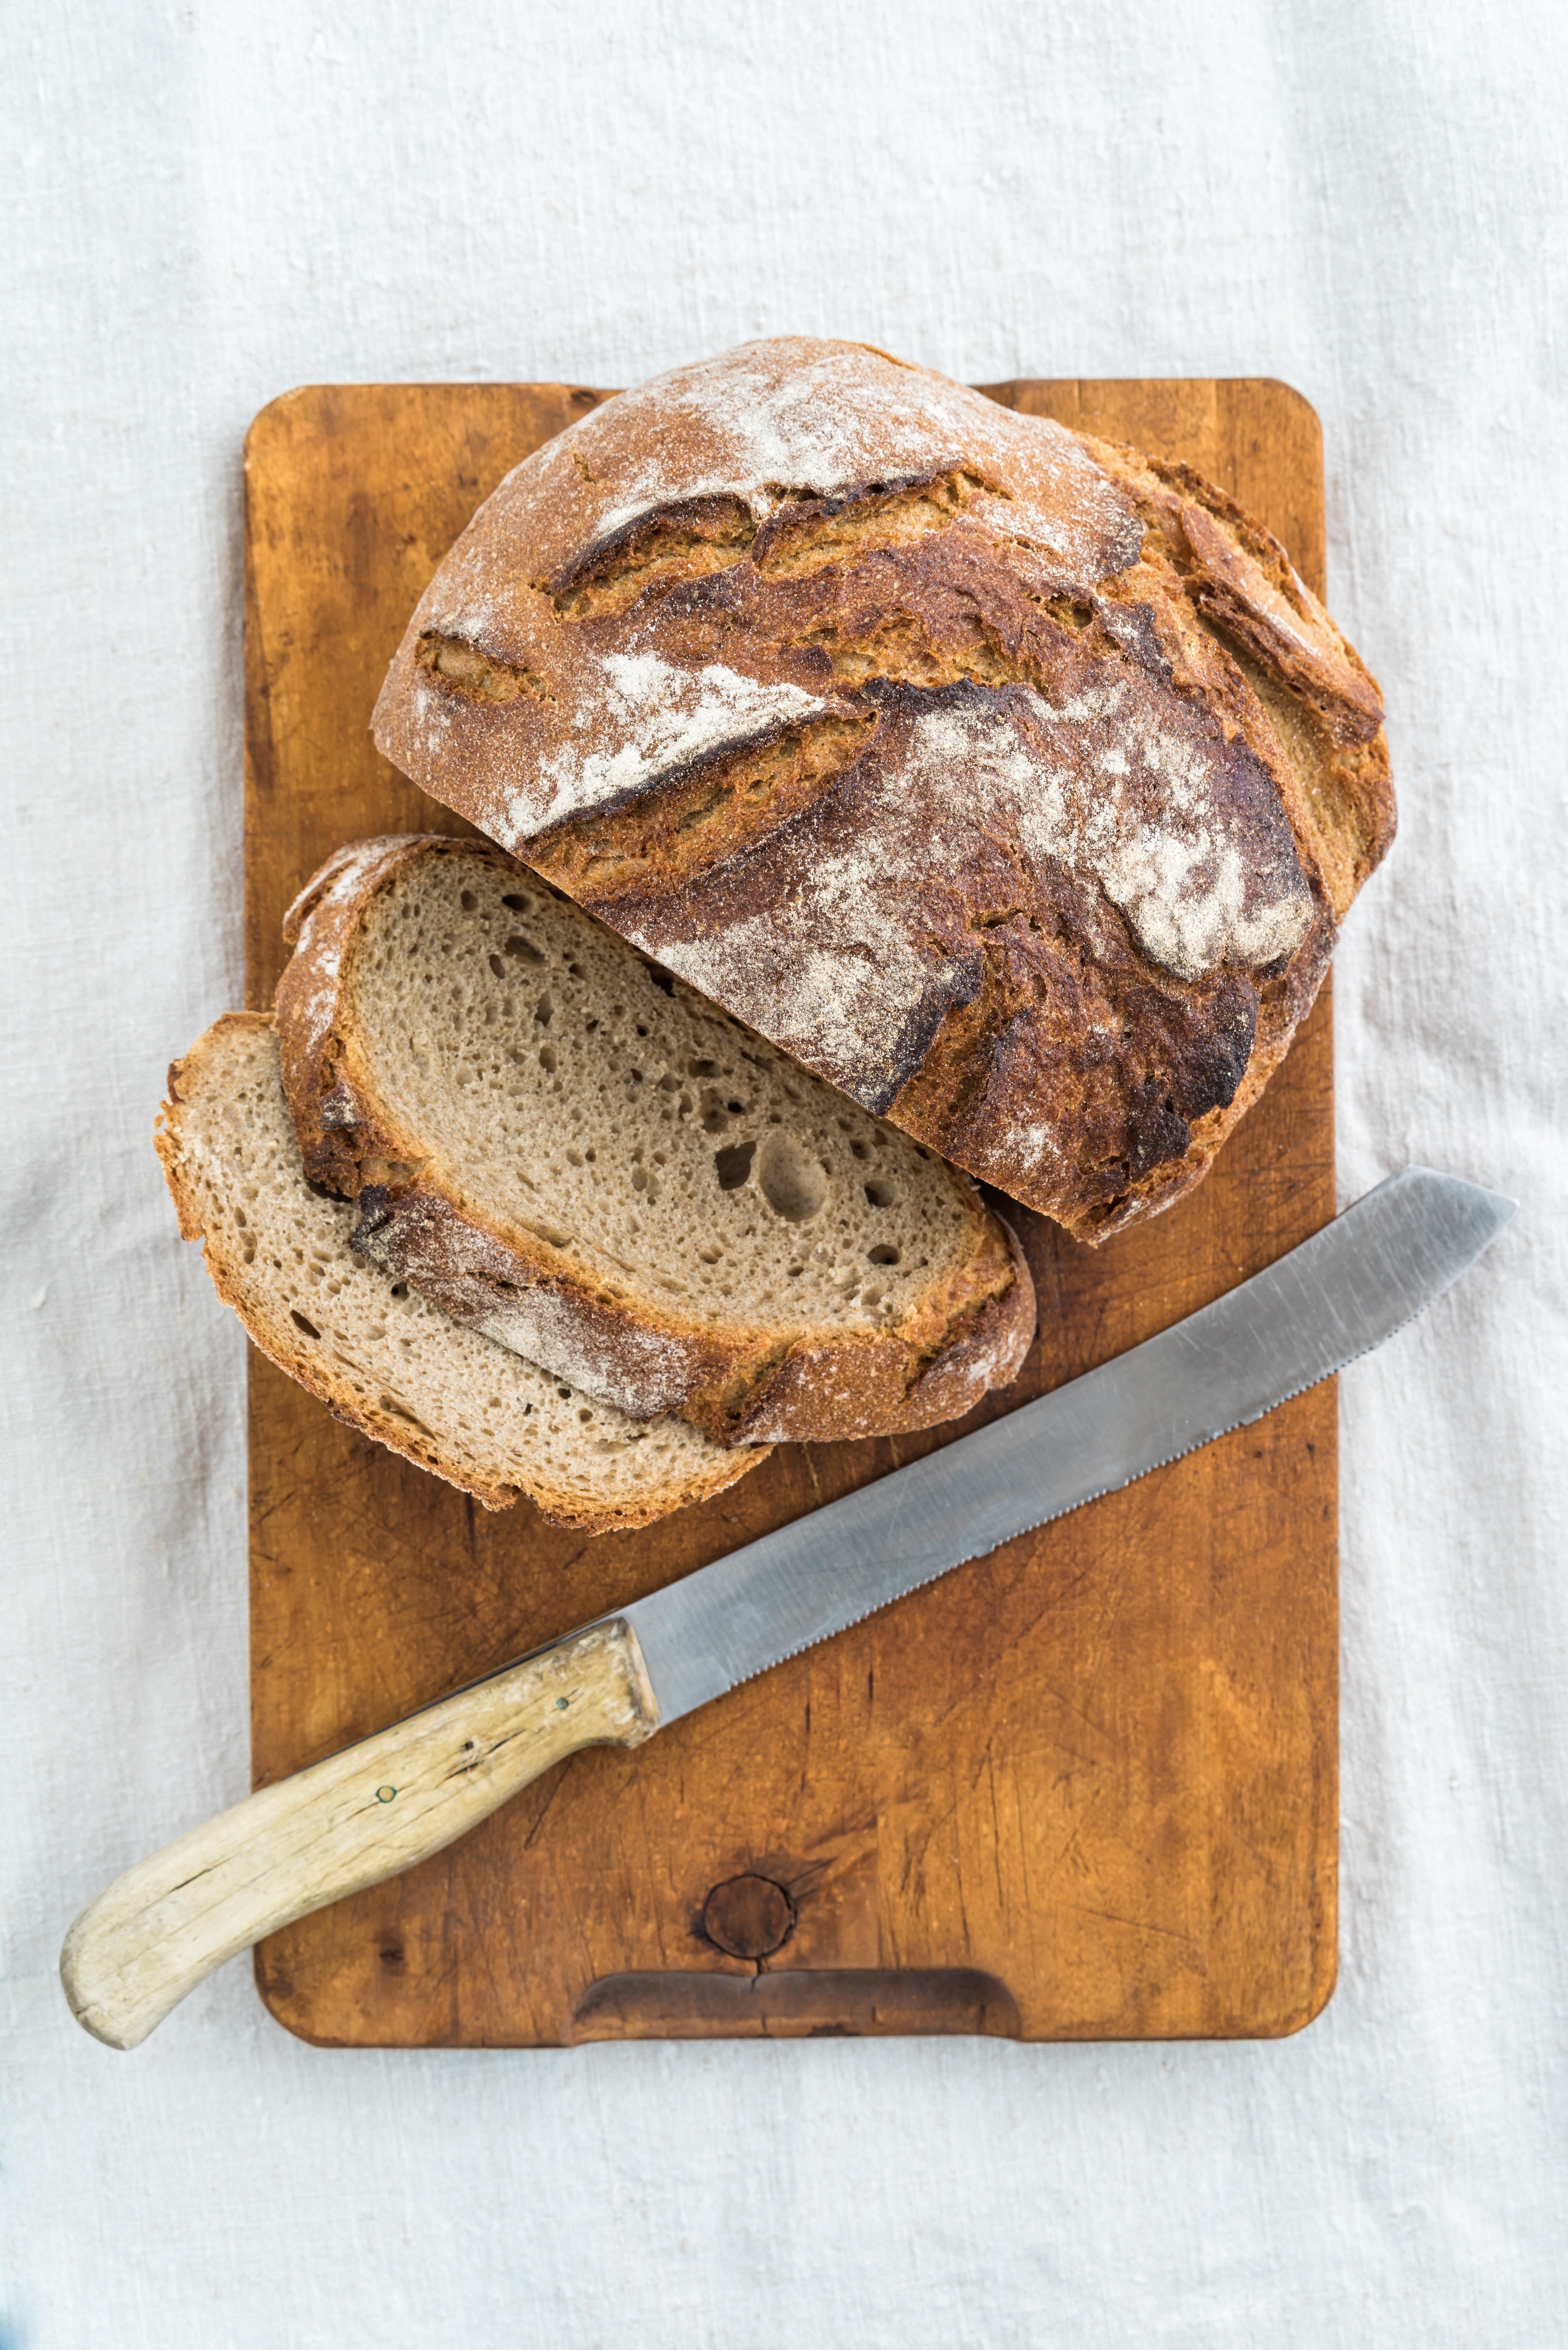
x=661 y=719
x=315 y=919
x=1175 y=855
x=790 y=415
x=834 y=967
x=639 y=1372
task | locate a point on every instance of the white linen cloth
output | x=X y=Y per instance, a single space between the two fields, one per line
x=208 y=205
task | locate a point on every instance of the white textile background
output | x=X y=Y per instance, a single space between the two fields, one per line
x=209 y=204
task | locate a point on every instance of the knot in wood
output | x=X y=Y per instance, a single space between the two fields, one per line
x=748 y=1916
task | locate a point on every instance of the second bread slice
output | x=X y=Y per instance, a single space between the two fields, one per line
x=564 y=1148
x=379 y=1358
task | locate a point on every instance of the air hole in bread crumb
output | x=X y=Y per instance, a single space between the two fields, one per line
x=734 y=1164
x=790 y=1182
x=522 y=948
x=400 y=1288
x=881 y=1193
x=547 y=1063
x=882 y=1254
x=400 y=1411
x=299 y=1322
x=467 y=901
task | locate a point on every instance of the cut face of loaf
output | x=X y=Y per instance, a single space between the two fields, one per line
x=381 y=1355
x=563 y=1148
x=1012 y=781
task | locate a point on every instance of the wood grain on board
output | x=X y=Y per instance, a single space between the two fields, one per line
x=1085 y=1788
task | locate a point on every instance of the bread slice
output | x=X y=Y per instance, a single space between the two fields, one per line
x=562 y=1146
x=381 y=1357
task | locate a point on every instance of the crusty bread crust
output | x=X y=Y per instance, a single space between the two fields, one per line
x=743 y=1377
x=1012 y=781
x=208 y=1182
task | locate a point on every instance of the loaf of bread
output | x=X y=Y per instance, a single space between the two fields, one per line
x=1012 y=781
x=560 y=1146
x=377 y=1354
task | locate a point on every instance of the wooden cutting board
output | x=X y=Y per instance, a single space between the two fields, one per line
x=1086 y=1788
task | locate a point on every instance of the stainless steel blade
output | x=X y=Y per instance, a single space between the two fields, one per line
x=1340 y=1293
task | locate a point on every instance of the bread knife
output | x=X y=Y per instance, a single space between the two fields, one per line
x=379 y=1806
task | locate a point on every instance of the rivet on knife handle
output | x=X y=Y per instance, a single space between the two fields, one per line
x=344 y=1823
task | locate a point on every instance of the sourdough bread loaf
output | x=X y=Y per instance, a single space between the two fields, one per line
x=1012 y=781
x=375 y=1352
x=561 y=1146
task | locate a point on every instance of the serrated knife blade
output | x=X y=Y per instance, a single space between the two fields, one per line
x=1307 y=1316
x=374 y=1809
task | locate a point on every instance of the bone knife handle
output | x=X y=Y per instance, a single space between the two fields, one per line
x=345 y=1823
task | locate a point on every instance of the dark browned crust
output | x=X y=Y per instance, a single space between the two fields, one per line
x=306 y=1366
x=1031 y=1004
x=1306 y=675
x=969 y=1333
